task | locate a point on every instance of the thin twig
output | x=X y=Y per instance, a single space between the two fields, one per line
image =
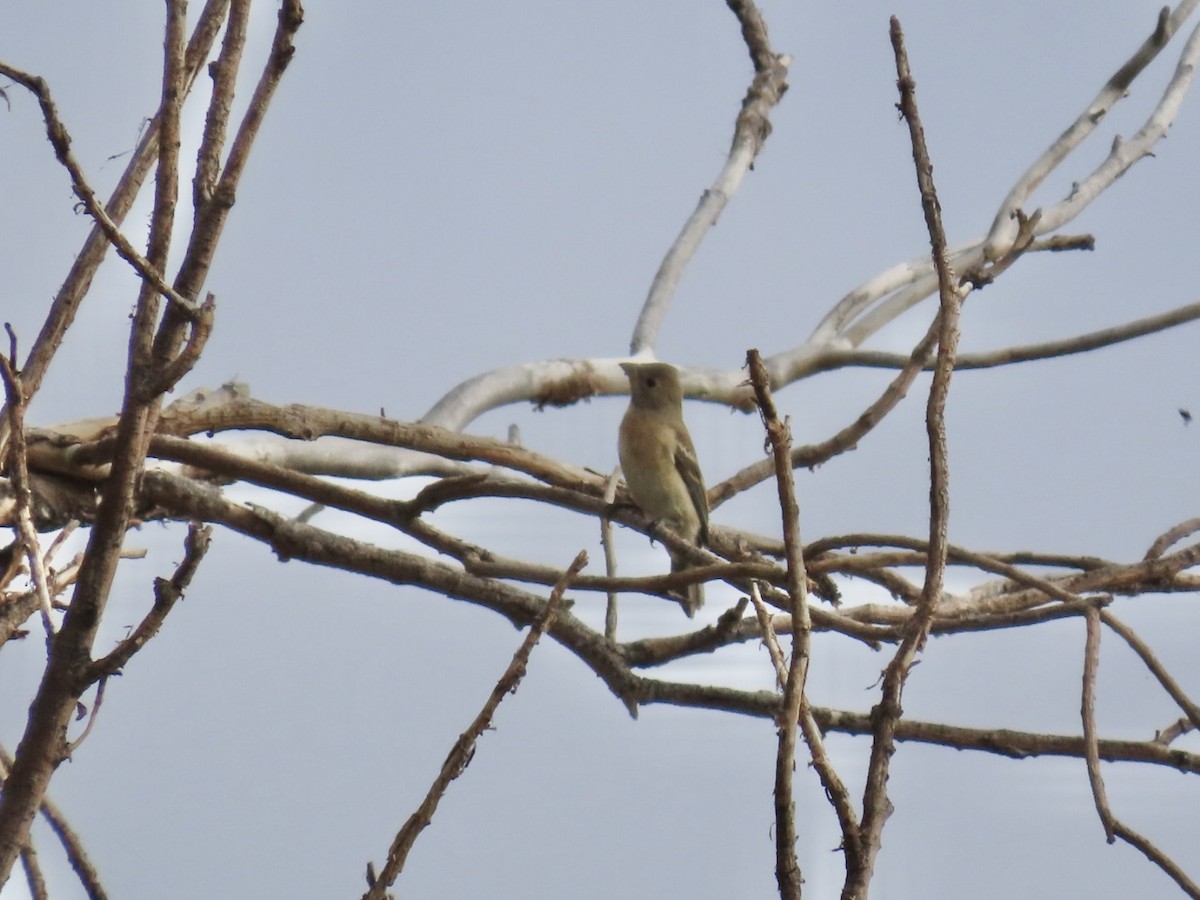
x=610 y=556
x=1113 y=827
x=837 y=358
x=166 y=593
x=464 y=748
x=845 y=439
x=89 y=878
x=770 y=641
x=787 y=868
x=1091 y=660
x=79 y=279
x=1170 y=685
x=60 y=140
x=1160 y=859
x=92 y=714
x=17 y=466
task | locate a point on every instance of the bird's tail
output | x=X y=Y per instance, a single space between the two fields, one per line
x=695 y=592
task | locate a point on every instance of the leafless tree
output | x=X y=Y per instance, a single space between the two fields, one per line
x=168 y=461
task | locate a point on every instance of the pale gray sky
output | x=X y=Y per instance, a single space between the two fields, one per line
x=443 y=188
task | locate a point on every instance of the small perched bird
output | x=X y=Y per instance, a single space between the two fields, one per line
x=659 y=460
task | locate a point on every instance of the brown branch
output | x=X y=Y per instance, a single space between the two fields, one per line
x=89 y=878
x=876 y=805
x=847 y=438
x=60 y=140
x=1027 y=589
x=210 y=221
x=87 y=261
x=464 y=748
x=1091 y=660
x=1082 y=343
x=35 y=879
x=44 y=745
x=166 y=593
x=1170 y=685
x=767 y=629
x=1113 y=827
x=1160 y=859
x=16 y=463
x=1176 y=729
x=1006 y=742
x=224 y=72
x=610 y=557
x=170 y=372
x=796 y=710
x=836 y=358
x=1164 y=541
x=787 y=867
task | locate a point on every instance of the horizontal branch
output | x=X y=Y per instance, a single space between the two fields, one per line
x=1083 y=343
x=293 y=540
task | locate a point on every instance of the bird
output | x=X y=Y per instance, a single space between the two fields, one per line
x=659 y=460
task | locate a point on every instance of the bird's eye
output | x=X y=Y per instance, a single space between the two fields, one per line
x=651 y=382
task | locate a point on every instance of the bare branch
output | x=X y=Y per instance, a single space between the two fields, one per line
x=1177 y=533
x=224 y=77
x=1170 y=685
x=87 y=261
x=610 y=556
x=1160 y=859
x=846 y=439
x=837 y=358
x=166 y=593
x=89 y=879
x=17 y=465
x=60 y=140
x=876 y=806
x=750 y=132
x=787 y=867
x=767 y=629
x=1122 y=156
x=796 y=710
x=1113 y=827
x=464 y=748
x=1091 y=659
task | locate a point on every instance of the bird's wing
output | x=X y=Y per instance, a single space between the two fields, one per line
x=689 y=469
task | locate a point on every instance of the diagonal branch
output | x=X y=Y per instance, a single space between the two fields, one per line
x=876 y=806
x=750 y=132
x=60 y=140
x=796 y=710
x=87 y=261
x=464 y=748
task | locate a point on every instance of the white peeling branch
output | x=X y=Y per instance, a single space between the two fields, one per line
x=1117 y=87
x=878 y=301
x=1124 y=153
x=750 y=132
